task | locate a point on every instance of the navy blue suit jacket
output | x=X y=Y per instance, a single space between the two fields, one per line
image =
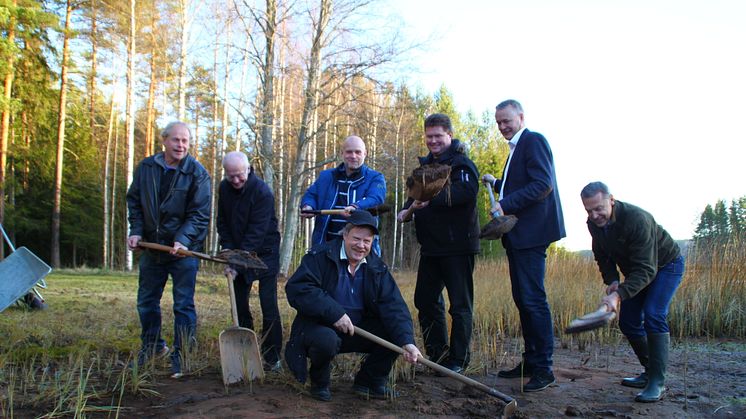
x=531 y=195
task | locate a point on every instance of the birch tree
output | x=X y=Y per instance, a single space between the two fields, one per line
x=55 y=245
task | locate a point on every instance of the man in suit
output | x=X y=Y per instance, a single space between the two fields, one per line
x=528 y=190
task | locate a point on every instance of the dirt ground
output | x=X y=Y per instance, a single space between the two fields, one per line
x=704 y=380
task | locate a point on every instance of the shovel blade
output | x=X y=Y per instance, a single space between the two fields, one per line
x=240 y=358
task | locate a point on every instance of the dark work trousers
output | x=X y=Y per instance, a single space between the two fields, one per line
x=455 y=273
x=527 y=269
x=323 y=343
x=271 y=336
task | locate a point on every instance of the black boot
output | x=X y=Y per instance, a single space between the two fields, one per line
x=658 y=359
x=640 y=346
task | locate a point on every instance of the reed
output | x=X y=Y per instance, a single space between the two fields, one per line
x=72 y=359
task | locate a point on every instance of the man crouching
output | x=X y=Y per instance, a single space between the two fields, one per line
x=340 y=284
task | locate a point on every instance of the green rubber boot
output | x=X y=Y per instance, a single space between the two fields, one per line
x=658 y=359
x=640 y=346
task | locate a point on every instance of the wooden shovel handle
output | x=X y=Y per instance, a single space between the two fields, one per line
x=232 y=277
x=324 y=212
x=183 y=252
x=511 y=403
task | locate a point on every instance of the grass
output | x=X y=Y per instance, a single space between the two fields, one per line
x=69 y=361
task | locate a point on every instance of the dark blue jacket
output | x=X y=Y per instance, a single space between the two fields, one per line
x=246 y=218
x=309 y=292
x=449 y=224
x=369 y=192
x=531 y=195
x=184 y=213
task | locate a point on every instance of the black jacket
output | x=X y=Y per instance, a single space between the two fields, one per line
x=183 y=215
x=246 y=217
x=635 y=243
x=449 y=225
x=308 y=291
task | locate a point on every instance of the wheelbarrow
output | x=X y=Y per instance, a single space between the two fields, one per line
x=20 y=273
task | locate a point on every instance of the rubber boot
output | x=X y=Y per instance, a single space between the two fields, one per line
x=658 y=358
x=640 y=346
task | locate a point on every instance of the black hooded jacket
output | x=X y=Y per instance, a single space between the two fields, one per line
x=449 y=225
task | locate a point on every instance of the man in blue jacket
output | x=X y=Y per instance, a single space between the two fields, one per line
x=247 y=221
x=448 y=232
x=339 y=285
x=528 y=190
x=350 y=186
x=168 y=203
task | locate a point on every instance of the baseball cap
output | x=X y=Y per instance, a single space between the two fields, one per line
x=363 y=218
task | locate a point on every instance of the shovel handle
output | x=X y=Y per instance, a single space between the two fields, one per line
x=231 y=277
x=183 y=252
x=493 y=202
x=324 y=212
x=511 y=403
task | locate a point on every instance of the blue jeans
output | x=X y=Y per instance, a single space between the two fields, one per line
x=527 y=269
x=154 y=271
x=646 y=312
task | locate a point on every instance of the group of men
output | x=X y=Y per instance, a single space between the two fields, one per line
x=342 y=283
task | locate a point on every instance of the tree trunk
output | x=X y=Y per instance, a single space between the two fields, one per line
x=150 y=119
x=56 y=208
x=5 y=127
x=267 y=105
x=299 y=166
x=107 y=165
x=130 y=118
x=184 y=26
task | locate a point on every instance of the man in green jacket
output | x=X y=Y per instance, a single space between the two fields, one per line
x=628 y=238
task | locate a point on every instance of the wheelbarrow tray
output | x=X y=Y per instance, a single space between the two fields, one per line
x=19 y=272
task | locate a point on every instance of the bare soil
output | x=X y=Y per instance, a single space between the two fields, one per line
x=705 y=379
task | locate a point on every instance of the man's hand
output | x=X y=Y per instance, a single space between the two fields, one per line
x=344 y=325
x=612 y=288
x=349 y=210
x=411 y=353
x=230 y=271
x=132 y=241
x=175 y=250
x=306 y=208
x=611 y=301
x=488 y=178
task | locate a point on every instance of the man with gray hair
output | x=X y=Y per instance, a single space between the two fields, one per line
x=629 y=238
x=169 y=204
x=247 y=221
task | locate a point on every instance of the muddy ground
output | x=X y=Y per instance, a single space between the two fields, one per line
x=705 y=380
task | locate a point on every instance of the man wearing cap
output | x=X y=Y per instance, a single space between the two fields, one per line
x=340 y=284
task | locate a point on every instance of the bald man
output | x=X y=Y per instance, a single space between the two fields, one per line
x=351 y=185
x=247 y=221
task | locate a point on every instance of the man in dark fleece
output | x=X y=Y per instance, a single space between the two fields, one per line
x=448 y=232
x=628 y=238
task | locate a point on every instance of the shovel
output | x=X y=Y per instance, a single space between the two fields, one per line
x=591 y=321
x=499 y=224
x=240 y=359
x=377 y=210
x=247 y=260
x=510 y=404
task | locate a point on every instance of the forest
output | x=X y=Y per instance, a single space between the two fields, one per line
x=88 y=85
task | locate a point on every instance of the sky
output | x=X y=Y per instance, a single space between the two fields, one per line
x=647 y=96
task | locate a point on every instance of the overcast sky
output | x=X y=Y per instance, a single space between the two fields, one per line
x=647 y=96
